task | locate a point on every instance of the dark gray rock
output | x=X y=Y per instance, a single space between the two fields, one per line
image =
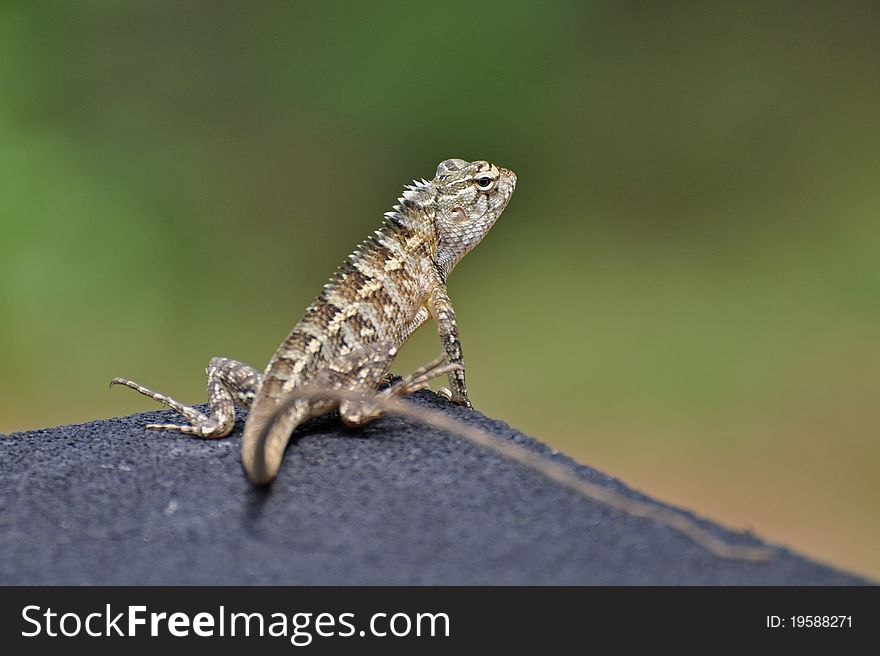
x=395 y=502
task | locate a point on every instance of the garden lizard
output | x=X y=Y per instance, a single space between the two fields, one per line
x=388 y=287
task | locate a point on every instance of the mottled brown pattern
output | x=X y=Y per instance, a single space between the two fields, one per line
x=393 y=282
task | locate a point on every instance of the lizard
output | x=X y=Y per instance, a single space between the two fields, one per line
x=391 y=284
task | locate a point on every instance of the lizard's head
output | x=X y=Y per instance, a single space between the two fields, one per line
x=469 y=197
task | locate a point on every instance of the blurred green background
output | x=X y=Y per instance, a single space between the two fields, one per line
x=684 y=291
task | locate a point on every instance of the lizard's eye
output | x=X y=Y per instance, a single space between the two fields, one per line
x=485 y=182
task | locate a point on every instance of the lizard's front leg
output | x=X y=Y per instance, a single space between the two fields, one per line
x=229 y=382
x=441 y=309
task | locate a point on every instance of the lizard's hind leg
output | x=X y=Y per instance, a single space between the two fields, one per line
x=359 y=413
x=229 y=382
x=420 y=378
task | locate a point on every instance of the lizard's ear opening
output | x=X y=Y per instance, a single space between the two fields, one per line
x=458 y=215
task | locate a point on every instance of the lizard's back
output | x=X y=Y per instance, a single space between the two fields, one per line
x=374 y=296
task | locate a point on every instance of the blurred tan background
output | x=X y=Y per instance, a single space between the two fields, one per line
x=684 y=291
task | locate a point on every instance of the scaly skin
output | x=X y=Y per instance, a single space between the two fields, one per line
x=389 y=286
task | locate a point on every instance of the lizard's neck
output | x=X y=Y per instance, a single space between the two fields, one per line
x=411 y=222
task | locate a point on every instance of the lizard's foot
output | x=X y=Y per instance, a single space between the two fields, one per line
x=420 y=378
x=358 y=413
x=200 y=424
x=447 y=394
x=189 y=413
x=207 y=430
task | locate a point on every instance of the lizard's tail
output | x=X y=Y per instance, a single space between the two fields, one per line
x=266 y=434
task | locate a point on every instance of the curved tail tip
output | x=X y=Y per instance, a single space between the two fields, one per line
x=258 y=471
x=261 y=479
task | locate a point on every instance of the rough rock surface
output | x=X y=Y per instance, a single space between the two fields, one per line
x=395 y=502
